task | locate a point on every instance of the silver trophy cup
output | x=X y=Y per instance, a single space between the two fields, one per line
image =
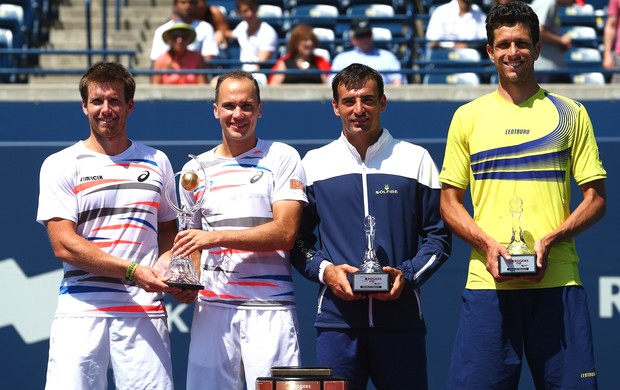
x=181 y=271
x=523 y=259
x=370 y=278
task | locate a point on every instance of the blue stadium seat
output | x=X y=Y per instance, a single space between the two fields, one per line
x=584 y=36
x=443 y=62
x=273 y=15
x=316 y=15
x=459 y=57
x=583 y=57
x=334 y=3
x=327 y=40
x=599 y=4
x=278 y=3
x=590 y=78
x=465 y=78
x=370 y=11
x=12 y=18
x=6 y=60
x=31 y=26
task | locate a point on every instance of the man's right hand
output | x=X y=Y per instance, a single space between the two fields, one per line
x=336 y=278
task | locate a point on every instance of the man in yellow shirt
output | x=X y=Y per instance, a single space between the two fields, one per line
x=521 y=142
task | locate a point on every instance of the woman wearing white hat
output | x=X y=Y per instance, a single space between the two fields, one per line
x=178 y=36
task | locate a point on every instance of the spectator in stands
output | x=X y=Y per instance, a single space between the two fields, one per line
x=257 y=40
x=178 y=36
x=214 y=16
x=554 y=43
x=459 y=23
x=185 y=11
x=364 y=52
x=301 y=56
x=611 y=45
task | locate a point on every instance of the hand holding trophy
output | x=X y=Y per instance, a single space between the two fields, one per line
x=523 y=260
x=181 y=272
x=371 y=278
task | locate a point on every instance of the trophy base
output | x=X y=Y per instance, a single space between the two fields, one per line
x=520 y=265
x=186 y=286
x=295 y=371
x=370 y=283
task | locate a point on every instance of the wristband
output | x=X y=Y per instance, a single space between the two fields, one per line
x=131 y=270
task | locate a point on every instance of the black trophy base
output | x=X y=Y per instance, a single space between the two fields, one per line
x=520 y=265
x=186 y=286
x=370 y=283
x=295 y=371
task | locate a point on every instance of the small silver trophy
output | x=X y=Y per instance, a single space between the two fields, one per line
x=523 y=258
x=181 y=271
x=370 y=278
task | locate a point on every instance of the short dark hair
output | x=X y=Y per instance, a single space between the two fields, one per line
x=253 y=4
x=108 y=72
x=356 y=73
x=510 y=14
x=236 y=74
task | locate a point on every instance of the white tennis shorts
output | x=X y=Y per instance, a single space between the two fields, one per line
x=230 y=346
x=82 y=349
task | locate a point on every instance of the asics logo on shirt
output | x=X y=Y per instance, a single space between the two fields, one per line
x=143 y=176
x=386 y=191
x=517 y=131
x=256 y=177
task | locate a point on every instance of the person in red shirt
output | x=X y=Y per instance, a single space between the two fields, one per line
x=178 y=36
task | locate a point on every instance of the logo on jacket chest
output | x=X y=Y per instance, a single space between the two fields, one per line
x=386 y=190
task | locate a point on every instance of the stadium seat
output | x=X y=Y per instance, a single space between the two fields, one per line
x=324 y=34
x=320 y=52
x=466 y=78
x=31 y=20
x=12 y=18
x=460 y=57
x=370 y=11
x=6 y=60
x=273 y=15
x=583 y=56
x=269 y=11
x=327 y=39
x=278 y=3
x=592 y=78
x=316 y=15
x=442 y=62
x=334 y=3
x=584 y=36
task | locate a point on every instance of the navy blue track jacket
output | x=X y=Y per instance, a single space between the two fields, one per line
x=397 y=184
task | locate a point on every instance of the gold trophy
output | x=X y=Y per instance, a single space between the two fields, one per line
x=181 y=271
x=370 y=278
x=523 y=258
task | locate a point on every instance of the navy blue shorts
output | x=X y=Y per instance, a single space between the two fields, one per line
x=391 y=358
x=552 y=327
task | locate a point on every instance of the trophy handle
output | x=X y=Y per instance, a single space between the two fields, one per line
x=185 y=214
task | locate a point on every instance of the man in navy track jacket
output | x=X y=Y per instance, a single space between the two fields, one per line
x=366 y=171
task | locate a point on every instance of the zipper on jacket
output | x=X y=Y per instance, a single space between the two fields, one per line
x=320 y=302
x=417 y=298
x=371 y=322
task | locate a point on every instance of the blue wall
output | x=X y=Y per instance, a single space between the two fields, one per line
x=31 y=131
